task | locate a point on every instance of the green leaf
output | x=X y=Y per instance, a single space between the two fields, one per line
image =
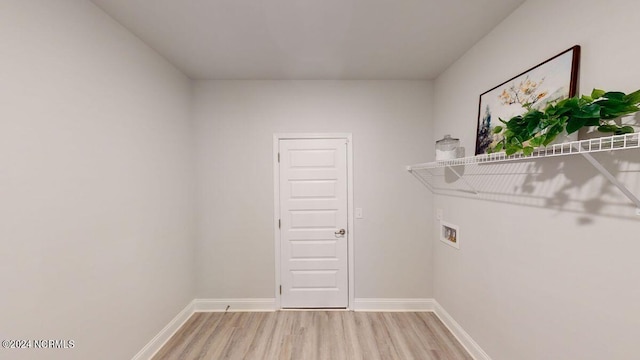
x=563 y=120
x=633 y=98
x=607 y=128
x=551 y=134
x=574 y=125
x=510 y=150
x=591 y=111
x=587 y=98
x=537 y=141
x=614 y=95
x=596 y=94
x=592 y=122
x=611 y=109
x=516 y=141
x=551 y=109
x=514 y=122
x=568 y=106
x=624 y=130
x=497 y=129
x=571 y=103
x=527 y=150
x=554 y=120
x=508 y=134
x=498 y=147
x=534 y=126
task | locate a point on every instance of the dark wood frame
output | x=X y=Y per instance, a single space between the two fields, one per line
x=573 y=86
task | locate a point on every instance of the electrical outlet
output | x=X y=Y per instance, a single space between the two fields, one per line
x=638 y=211
x=439 y=214
x=359 y=213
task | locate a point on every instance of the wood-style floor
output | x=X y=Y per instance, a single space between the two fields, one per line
x=313 y=335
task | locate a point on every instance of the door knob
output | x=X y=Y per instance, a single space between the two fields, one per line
x=340 y=232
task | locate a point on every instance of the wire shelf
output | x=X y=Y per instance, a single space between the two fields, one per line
x=429 y=175
x=616 y=142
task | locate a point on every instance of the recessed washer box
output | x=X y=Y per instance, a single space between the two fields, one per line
x=450 y=234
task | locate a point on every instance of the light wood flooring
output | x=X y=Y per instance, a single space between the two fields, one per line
x=313 y=335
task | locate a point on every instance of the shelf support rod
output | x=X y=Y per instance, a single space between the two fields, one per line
x=596 y=164
x=424 y=182
x=463 y=180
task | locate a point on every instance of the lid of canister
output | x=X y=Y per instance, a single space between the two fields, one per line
x=447 y=140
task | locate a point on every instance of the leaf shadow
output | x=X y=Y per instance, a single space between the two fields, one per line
x=563 y=184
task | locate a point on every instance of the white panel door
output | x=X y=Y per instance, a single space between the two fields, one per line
x=313 y=215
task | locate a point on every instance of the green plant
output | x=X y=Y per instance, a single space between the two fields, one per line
x=539 y=128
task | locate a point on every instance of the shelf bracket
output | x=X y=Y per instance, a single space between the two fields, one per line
x=596 y=164
x=463 y=180
x=423 y=181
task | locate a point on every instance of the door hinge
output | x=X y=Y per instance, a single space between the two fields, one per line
x=279 y=224
x=280 y=289
x=278 y=157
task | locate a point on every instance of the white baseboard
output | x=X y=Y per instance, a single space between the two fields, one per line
x=250 y=304
x=463 y=337
x=375 y=304
x=165 y=334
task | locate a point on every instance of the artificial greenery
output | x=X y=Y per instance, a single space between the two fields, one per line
x=536 y=128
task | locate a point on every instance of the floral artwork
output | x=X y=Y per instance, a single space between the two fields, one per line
x=525 y=93
x=553 y=80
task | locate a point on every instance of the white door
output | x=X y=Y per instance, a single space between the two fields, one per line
x=313 y=223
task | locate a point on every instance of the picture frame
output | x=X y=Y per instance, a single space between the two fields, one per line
x=552 y=80
x=450 y=234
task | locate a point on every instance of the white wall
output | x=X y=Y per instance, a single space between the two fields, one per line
x=96 y=202
x=236 y=120
x=548 y=269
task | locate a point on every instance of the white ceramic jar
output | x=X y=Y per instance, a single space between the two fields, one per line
x=447 y=148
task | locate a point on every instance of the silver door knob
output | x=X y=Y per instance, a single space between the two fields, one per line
x=340 y=232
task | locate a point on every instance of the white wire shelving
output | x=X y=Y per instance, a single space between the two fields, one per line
x=581 y=147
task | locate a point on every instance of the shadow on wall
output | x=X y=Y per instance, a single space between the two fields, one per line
x=568 y=184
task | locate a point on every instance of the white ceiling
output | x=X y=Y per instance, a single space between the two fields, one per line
x=310 y=39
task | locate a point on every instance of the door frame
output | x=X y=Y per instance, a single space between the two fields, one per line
x=276 y=209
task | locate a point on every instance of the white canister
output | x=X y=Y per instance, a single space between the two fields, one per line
x=447 y=148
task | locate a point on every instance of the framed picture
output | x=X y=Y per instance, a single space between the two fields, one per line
x=552 y=80
x=450 y=234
